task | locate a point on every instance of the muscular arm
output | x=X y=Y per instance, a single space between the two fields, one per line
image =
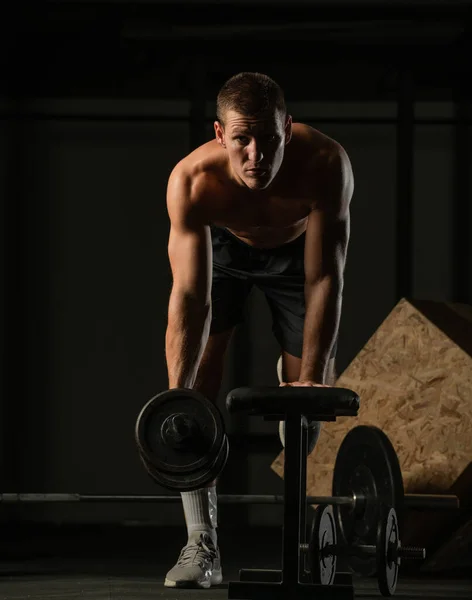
x=326 y=245
x=190 y=256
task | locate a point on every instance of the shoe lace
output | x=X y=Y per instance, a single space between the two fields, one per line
x=197 y=553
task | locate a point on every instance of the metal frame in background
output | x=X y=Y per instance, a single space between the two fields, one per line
x=404 y=188
x=462 y=219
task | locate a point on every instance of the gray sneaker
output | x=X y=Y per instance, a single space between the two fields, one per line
x=199 y=565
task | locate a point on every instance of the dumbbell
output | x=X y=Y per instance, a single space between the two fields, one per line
x=324 y=549
x=181 y=440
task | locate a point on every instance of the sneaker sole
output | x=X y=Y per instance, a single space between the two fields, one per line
x=203 y=585
x=216 y=579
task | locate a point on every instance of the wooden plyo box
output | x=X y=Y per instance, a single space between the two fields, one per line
x=414 y=379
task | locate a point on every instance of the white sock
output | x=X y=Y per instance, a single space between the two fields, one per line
x=200 y=509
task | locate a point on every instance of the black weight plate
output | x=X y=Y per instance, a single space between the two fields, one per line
x=193 y=456
x=186 y=481
x=388 y=546
x=323 y=546
x=367 y=468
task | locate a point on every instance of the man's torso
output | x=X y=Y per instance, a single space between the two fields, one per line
x=267 y=218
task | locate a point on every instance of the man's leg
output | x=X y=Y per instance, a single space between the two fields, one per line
x=208 y=383
x=210 y=372
x=291 y=366
x=288 y=370
x=200 y=506
x=199 y=562
x=284 y=287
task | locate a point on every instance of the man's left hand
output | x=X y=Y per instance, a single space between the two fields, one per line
x=304 y=383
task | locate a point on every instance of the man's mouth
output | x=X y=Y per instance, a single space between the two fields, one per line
x=257 y=171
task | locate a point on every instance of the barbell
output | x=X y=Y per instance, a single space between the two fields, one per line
x=430 y=501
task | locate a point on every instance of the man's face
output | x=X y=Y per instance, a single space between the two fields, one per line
x=255 y=146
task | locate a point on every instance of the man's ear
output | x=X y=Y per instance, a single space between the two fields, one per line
x=219 y=133
x=288 y=129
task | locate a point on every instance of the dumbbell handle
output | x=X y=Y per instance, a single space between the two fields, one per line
x=178 y=428
x=406 y=552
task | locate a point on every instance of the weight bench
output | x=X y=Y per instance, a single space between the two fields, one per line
x=292 y=404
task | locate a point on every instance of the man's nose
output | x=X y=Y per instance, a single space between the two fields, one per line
x=255 y=152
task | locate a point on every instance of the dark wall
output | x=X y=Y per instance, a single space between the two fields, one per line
x=96 y=311
x=3 y=194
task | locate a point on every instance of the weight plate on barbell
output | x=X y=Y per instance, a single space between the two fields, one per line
x=366 y=468
x=187 y=451
x=323 y=546
x=388 y=546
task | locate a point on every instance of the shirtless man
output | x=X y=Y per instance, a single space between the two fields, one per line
x=265 y=203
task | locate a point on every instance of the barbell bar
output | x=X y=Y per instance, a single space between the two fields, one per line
x=420 y=501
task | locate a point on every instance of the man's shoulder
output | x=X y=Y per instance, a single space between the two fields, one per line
x=198 y=168
x=321 y=160
x=197 y=179
x=318 y=154
x=313 y=142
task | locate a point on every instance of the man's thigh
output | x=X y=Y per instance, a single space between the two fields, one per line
x=286 y=300
x=228 y=301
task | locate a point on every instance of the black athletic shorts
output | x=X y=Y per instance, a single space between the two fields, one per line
x=278 y=272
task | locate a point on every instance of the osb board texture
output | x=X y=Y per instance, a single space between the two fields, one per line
x=415 y=383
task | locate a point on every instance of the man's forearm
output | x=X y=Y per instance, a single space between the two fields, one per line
x=186 y=337
x=323 y=312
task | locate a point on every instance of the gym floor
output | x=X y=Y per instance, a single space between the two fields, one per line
x=130 y=563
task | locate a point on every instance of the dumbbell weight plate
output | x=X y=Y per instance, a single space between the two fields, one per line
x=181 y=466
x=388 y=546
x=366 y=468
x=323 y=546
x=187 y=482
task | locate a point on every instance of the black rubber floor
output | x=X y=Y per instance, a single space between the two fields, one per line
x=142 y=588
x=130 y=563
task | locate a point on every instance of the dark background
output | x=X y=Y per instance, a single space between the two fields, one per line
x=98 y=102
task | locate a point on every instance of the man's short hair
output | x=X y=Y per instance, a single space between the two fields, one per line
x=250 y=94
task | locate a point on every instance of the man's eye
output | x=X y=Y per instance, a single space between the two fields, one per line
x=242 y=139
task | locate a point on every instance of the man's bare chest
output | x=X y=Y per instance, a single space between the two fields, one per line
x=267 y=221
x=269 y=211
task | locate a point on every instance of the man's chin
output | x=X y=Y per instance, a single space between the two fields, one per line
x=257 y=184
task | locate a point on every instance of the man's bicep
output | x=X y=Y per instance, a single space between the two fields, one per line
x=328 y=227
x=189 y=246
x=326 y=243
x=190 y=257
